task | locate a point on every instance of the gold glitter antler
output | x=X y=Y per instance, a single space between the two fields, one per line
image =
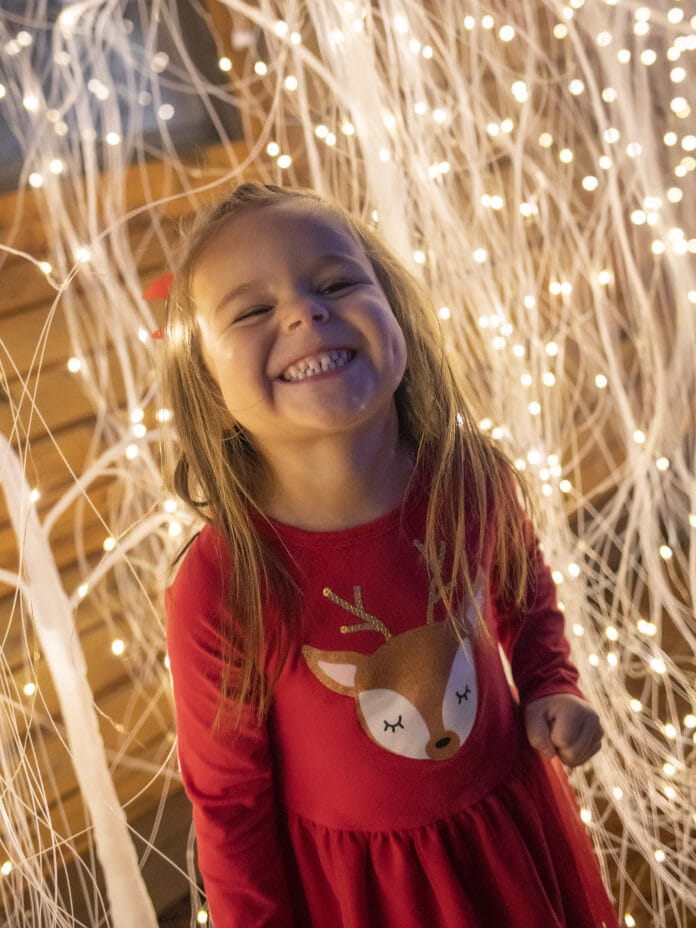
x=370 y=622
x=433 y=596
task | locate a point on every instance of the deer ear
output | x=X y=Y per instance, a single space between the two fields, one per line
x=335 y=669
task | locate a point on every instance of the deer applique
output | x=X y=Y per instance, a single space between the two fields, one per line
x=416 y=695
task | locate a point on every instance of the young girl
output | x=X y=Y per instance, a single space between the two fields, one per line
x=352 y=749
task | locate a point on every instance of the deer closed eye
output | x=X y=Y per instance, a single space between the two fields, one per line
x=465 y=695
x=392 y=726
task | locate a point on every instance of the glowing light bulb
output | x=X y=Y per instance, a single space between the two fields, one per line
x=665 y=552
x=202 y=917
x=586 y=816
x=261 y=68
x=29 y=689
x=284 y=161
x=635 y=705
x=290 y=83
x=444 y=312
x=590 y=183
x=647 y=628
x=520 y=91
x=225 y=64
x=35 y=495
x=576 y=87
x=109 y=543
x=659 y=855
x=273 y=149
x=617 y=792
x=74 y=365
x=565 y=486
x=609 y=95
x=658 y=665
x=6 y=868
x=629 y=921
x=639 y=437
x=118 y=647
x=83 y=590
x=601 y=381
x=36 y=180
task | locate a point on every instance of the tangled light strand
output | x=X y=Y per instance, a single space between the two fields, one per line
x=533 y=164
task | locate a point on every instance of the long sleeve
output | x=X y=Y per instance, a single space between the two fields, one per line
x=228 y=776
x=533 y=637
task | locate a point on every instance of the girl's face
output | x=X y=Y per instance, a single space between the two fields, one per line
x=295 y=328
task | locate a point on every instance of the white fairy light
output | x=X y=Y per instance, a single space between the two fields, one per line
x=284 y=161
x=260 y=68
x=601 y=381
x=225 y=64
x=290 y=83
x=109 y=543
x=647 y=628
x=520 y=91
x=118 y=647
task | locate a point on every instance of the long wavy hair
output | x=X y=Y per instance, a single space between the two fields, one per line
x=219 y=473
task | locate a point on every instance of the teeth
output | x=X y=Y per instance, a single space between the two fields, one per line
x=326 y=361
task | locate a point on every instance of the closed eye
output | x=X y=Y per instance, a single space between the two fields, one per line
x=254 y=311
x=392 y=726
x=337 y=285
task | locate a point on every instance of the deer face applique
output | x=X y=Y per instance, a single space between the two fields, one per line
x=416 y=695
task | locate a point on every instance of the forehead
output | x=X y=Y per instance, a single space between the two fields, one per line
x=265 y=236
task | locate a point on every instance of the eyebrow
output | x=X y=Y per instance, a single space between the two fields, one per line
x=253 y=286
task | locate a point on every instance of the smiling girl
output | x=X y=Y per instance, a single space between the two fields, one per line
x=352 y=749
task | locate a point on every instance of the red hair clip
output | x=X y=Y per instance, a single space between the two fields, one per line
x=159 y=290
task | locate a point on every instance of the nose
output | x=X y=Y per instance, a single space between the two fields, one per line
x=301 y=312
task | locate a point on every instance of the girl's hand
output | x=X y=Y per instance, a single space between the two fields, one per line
x=565 y=726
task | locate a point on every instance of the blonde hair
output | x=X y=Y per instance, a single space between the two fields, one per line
x=220 y=474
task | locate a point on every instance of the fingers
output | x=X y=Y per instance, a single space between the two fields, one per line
x=539 y=730
x=566 y=726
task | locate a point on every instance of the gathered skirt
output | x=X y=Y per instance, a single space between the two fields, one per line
x=518 y=858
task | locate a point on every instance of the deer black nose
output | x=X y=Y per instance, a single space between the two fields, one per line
x=442 y=743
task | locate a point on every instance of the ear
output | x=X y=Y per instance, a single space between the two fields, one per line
x=335 y=669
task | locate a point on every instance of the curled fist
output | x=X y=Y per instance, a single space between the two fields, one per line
x=565 y=726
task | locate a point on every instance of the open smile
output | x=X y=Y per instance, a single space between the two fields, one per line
x=317 y=364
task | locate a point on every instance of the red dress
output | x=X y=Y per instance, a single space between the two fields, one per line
x=392 y=785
